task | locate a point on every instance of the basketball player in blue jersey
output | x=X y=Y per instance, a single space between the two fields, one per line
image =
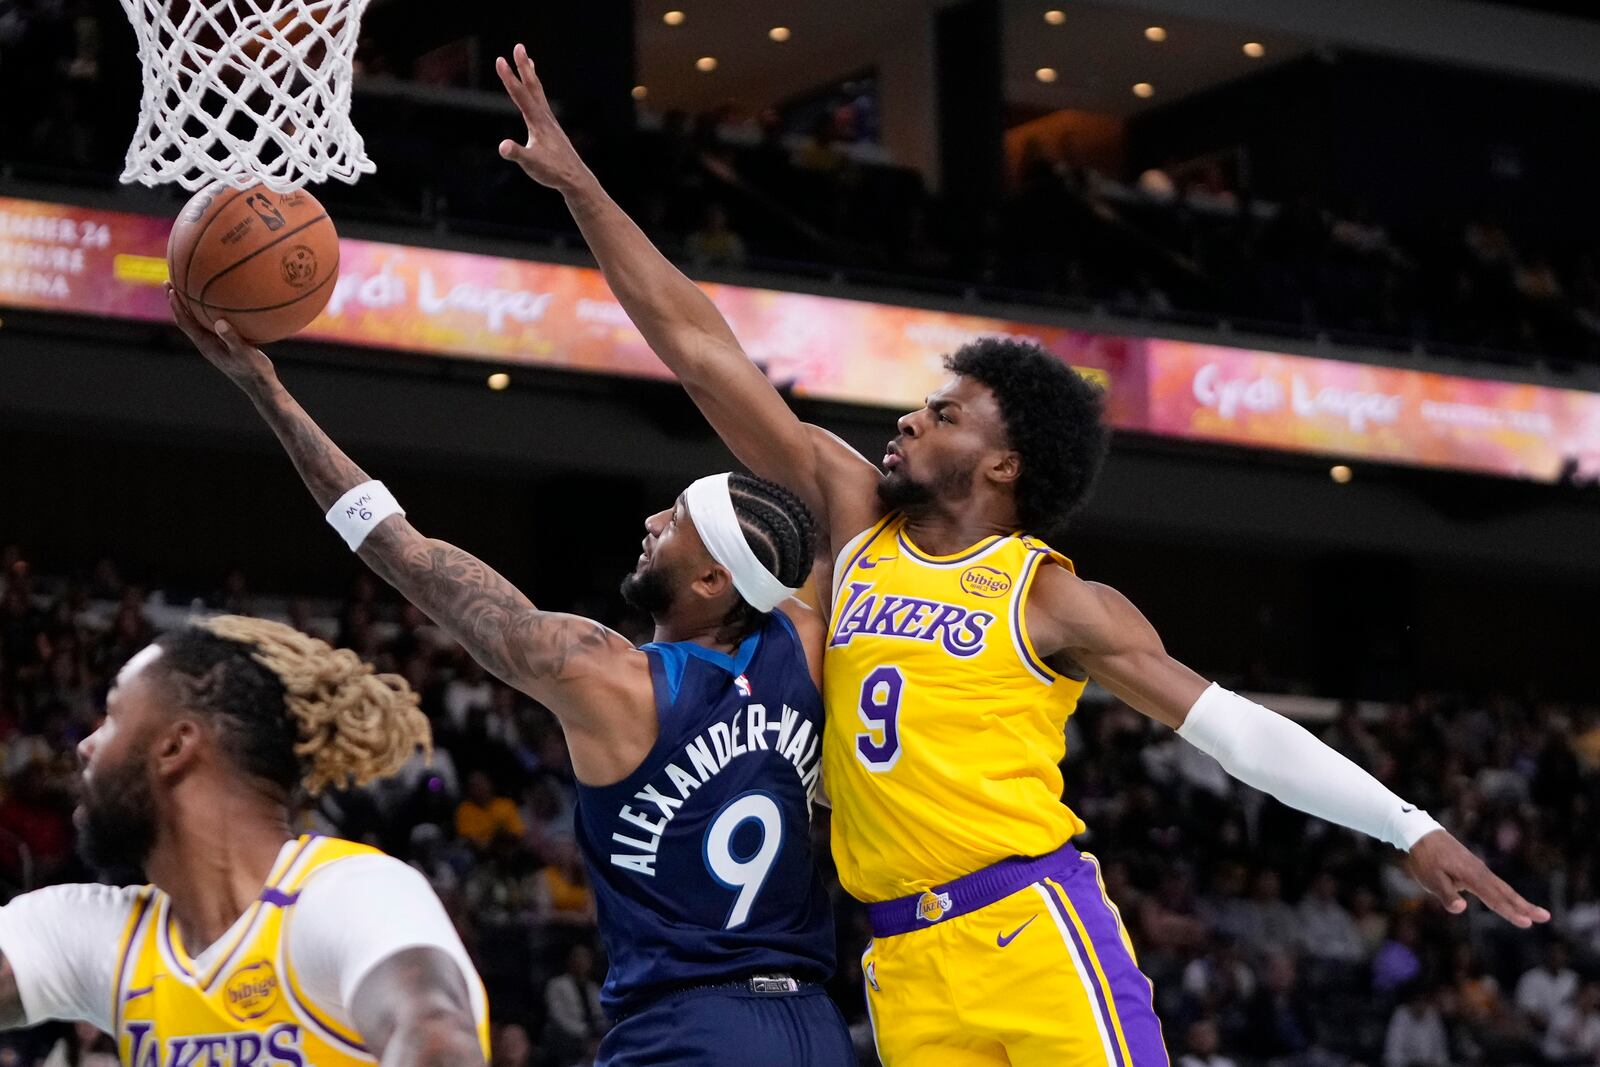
x=697 y=755
x=960 y=641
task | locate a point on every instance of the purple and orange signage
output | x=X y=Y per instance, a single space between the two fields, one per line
x=83 y=261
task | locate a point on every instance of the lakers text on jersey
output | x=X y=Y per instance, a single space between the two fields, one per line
x=244 y=1009
x=945 y=730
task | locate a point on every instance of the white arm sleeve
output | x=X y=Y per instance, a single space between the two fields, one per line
x=1275 y=755
x=62 y=945
x=356 y=913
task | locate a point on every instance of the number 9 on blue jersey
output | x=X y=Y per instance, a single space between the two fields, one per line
x=749 y=872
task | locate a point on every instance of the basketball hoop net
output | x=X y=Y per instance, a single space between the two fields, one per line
x=246 y=92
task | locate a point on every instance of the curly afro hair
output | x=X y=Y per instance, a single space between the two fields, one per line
x=1053 y=420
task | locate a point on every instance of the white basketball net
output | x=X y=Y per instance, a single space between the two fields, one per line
x=246 y=92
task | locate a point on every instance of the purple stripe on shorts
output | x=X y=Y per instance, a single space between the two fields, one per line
x=1131 y=993
x=1101 y=1007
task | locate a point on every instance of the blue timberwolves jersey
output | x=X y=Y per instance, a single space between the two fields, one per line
x=701 y=859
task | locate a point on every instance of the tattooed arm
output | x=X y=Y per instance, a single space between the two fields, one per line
x=594 y=680
x=413 y=1011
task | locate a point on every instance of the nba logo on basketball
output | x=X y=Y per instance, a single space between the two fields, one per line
x=265 y=211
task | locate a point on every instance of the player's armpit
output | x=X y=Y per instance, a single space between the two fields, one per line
x=847 y=483
x=414 y=1010
x=1101 y=630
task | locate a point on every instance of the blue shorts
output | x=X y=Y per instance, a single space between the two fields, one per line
x=730 y=1026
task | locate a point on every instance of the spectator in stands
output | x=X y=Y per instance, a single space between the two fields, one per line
x=1416 y=1035
x=1225 y=908
x=510 y=1047
x=483 y=814
x=1545 y=989
x=428 y=856
x=715 y=243
x=468 y=695
x=21 y=625
x=1169 y=917
x=1397 y=964
x=574 y=1023
x=35 y=825
x=1279 y=1022
x=529 y=903
x=1371 y=923
x=1485 y=1020
x=1201 y=1046
x=130 y=631
x=1328 y=933
x=547 y=811
x=1267 y=923
x=1573 y=1036
x=821 y=153
x=1219 y=984
x=562 y=887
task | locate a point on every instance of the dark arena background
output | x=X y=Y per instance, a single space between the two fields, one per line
x=1337 y=265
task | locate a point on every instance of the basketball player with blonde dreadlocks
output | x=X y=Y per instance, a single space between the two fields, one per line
x=251 y=947
x=697 y=755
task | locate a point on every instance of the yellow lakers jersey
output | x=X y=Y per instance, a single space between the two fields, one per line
x=245 y=1007
x=945 y=730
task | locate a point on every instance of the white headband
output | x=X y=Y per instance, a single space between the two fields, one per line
x=711 y=507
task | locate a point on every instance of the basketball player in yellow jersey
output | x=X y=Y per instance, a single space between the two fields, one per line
x=252 y=948
x=959 y=644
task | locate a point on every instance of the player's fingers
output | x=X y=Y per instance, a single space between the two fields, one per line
x=1504 y=901
x=1445 y=891
x=529 y=79
x=514 y=88
x=228 y=335
x=516 y=153
x=181 y=315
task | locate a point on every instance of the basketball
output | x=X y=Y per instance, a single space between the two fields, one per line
x=264 y=261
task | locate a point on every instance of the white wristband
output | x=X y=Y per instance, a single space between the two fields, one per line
x=1275 y=755
x=358 y=512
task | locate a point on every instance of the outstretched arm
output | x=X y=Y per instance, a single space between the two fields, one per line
x=686 y=330
x=1098 y=629
x=590 y=676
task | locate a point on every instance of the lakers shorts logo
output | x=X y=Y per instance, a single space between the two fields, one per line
x=931 y=907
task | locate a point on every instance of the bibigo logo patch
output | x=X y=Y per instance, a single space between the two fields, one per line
x=251 y=991
x=985 y=581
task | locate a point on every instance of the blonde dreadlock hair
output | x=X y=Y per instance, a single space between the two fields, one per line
x=295 y=709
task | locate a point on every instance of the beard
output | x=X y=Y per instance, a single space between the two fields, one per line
x=116 y=819
x=649 y=592
x=897 y=491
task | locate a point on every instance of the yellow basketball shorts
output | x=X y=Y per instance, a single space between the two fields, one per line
x=1023 y=963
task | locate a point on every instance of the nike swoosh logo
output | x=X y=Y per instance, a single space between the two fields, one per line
x=868 y=564
x=1003 y=940
x=1407 y=809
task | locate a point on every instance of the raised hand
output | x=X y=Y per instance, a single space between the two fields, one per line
x=548 y=156
x=1445 y=868
x=243 y=363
